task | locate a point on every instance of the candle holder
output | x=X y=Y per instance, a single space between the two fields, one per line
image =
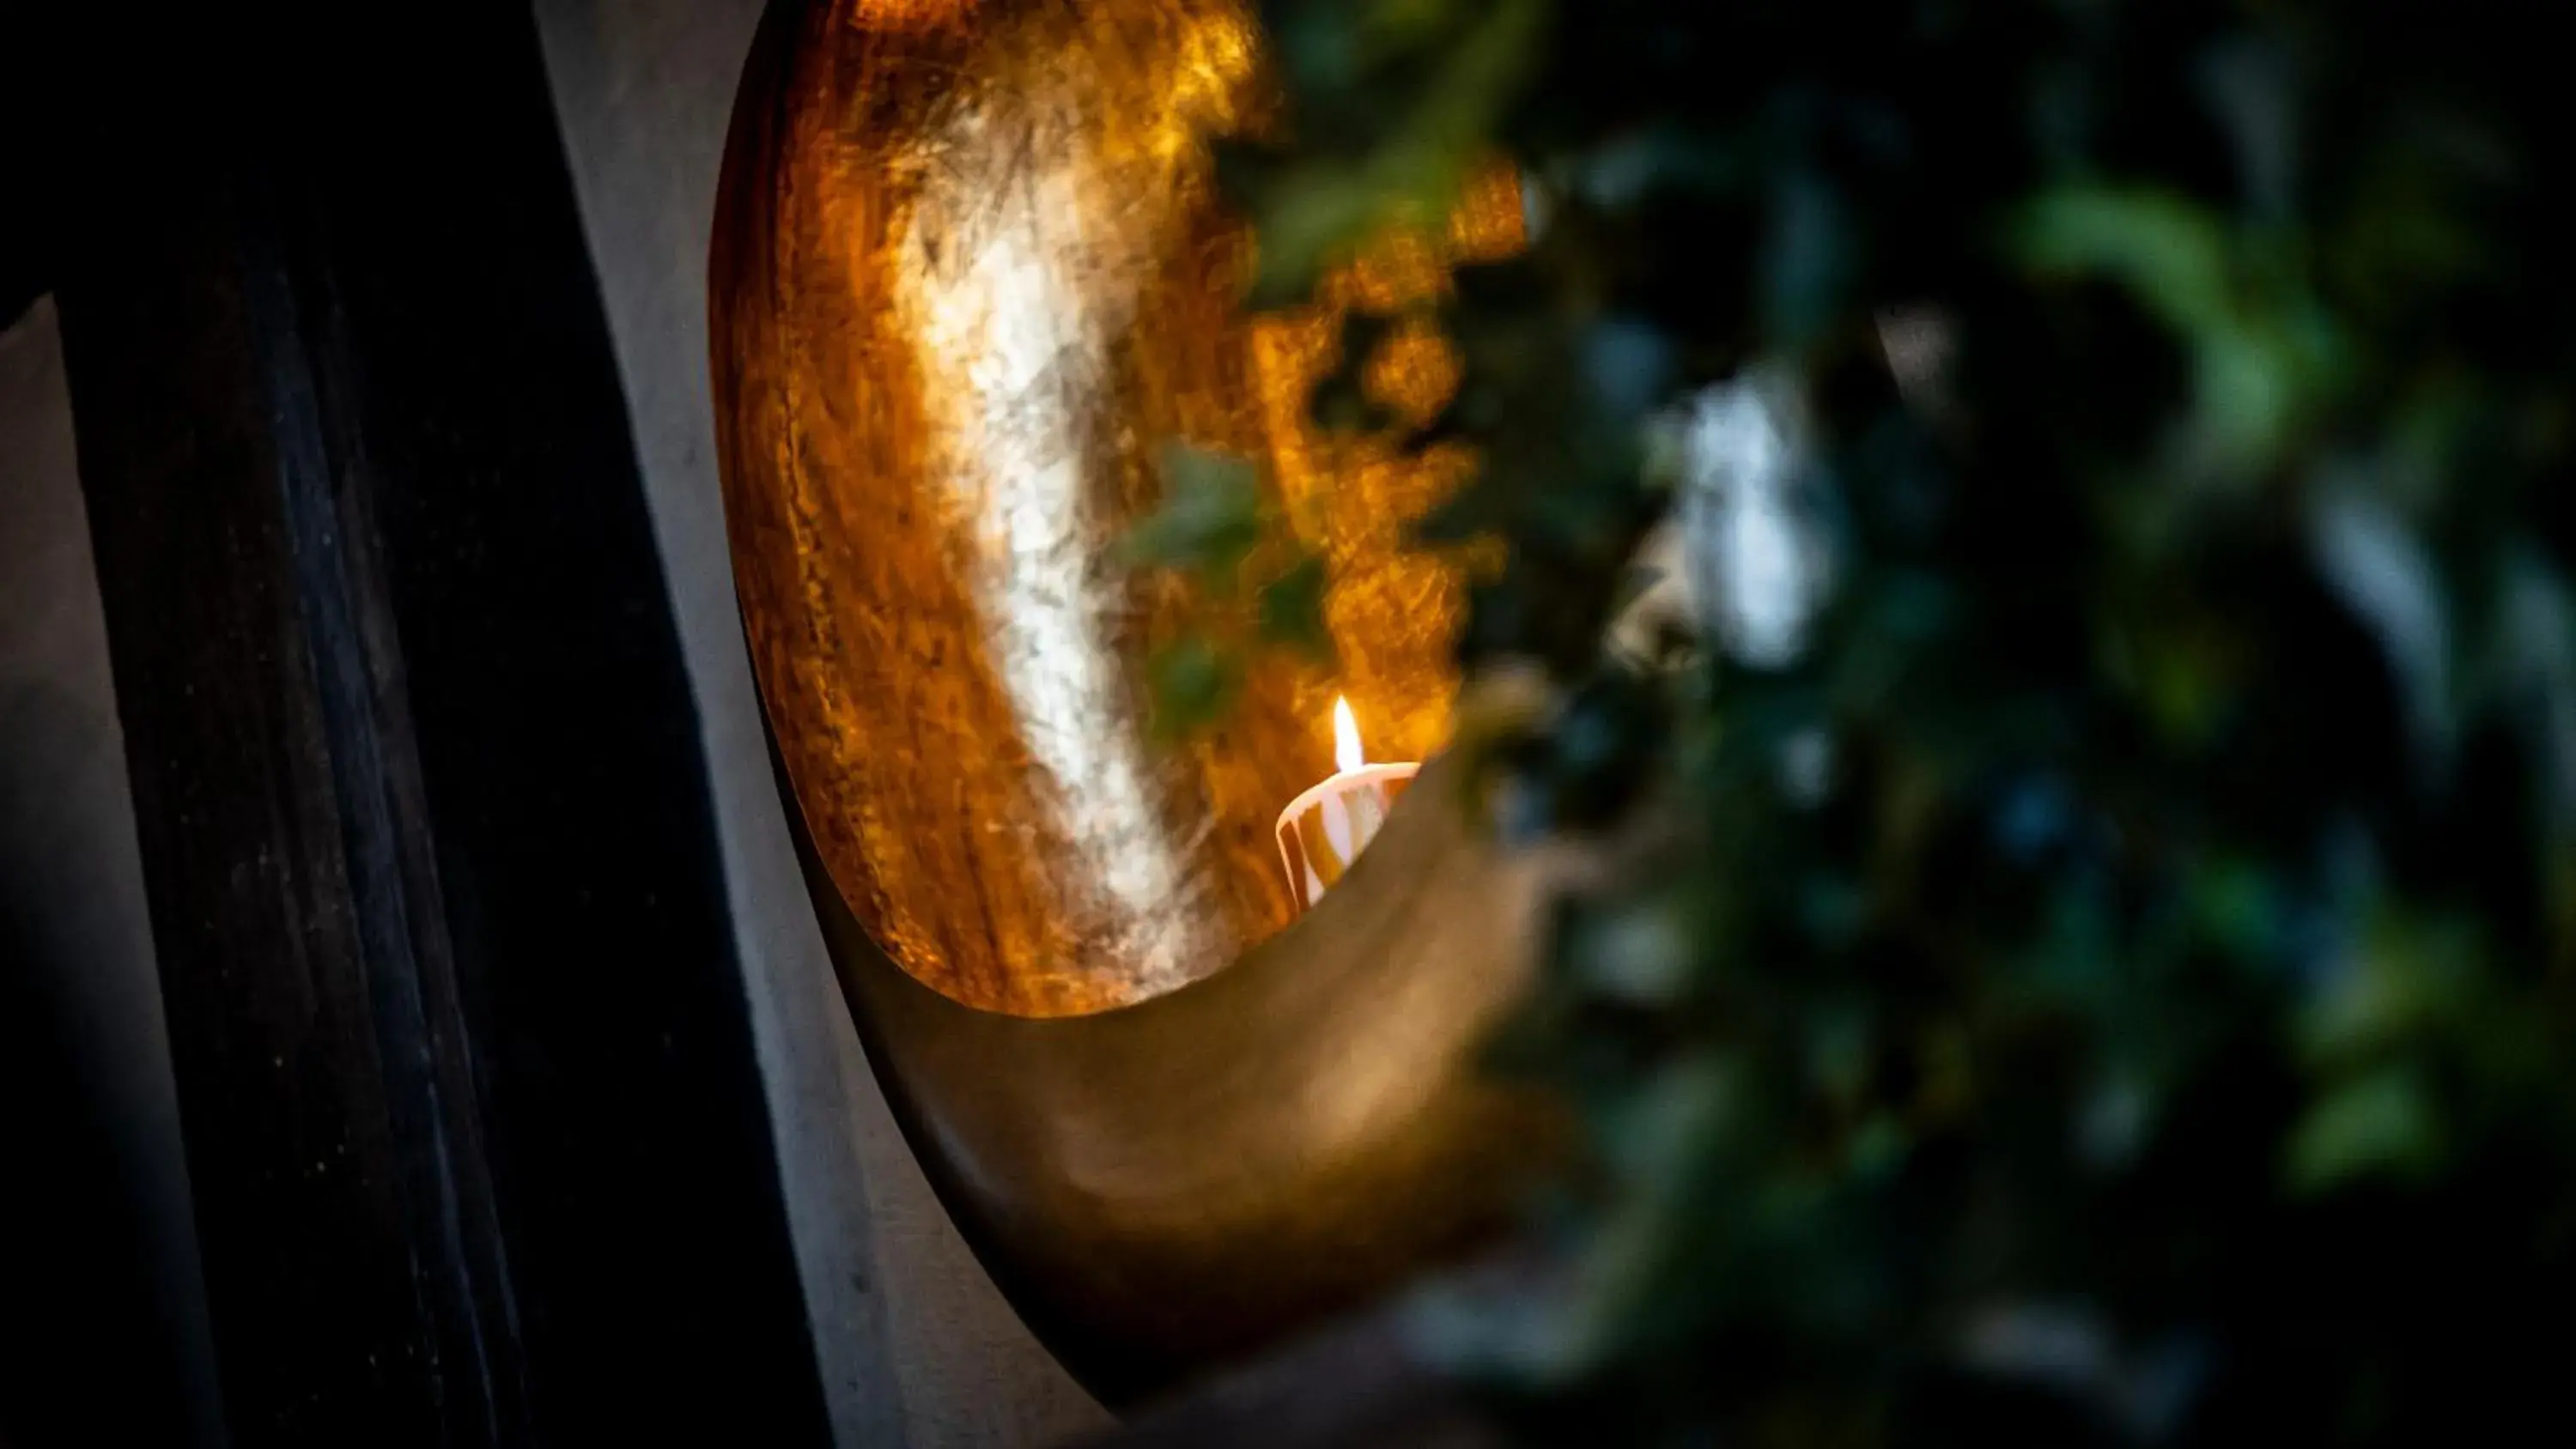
x=970 y=273
x=1324 y=830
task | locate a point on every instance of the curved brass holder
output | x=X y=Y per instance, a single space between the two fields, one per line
x=1168 y=1186
x=969 y=275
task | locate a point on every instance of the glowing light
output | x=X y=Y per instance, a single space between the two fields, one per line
x=1015 y=277
x=1346 y=737
x=1323 y=830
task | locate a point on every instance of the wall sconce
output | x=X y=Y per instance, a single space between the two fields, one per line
x=969 y=277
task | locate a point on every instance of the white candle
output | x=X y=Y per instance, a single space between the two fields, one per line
x=1324 y=829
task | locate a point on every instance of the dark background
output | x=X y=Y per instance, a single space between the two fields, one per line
x=467 y=1090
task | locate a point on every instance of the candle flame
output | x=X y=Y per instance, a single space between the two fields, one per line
x=1346 y=737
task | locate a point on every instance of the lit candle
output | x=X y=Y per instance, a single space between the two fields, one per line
x=1323 y=830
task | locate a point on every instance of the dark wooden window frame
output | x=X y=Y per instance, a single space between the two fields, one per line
x=473 y=1119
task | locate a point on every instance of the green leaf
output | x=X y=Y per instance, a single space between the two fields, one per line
x=1194 y=681
x=1311 y=217
x=1292 y=609
x=2167 y=249
x=2381 y=570
x=2254 y=367
x=1210 y=519
x=2394 y=996
x=1322 y=212
x=2380 y=1125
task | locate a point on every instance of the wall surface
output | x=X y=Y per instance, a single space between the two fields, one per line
x=916 y=1345
x=103 y=1333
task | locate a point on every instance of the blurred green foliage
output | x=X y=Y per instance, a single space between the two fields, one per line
x=1257 y=586
x=2116 y=980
